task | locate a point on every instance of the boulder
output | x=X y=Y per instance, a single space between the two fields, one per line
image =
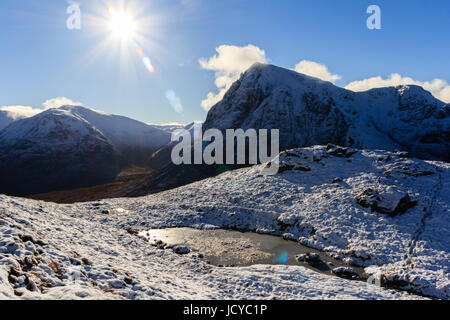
x=346 y=273
x=391 y=200
x=181 y=250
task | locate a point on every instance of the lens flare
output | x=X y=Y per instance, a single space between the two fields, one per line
x=145 y=59
x=148 y=64
x=175 y=102
x=283 y=258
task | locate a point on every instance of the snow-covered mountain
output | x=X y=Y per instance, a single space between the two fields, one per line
x=310 y=111
x=373 y=209
x=124 y=133
x=170 y=127
x=71 y=147
x=8 y=117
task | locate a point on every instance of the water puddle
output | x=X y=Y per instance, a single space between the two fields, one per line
x=234 y=248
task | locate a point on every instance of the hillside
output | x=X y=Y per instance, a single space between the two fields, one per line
x=374 y=209
x=72 y=147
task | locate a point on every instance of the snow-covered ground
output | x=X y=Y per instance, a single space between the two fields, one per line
x=370 y=208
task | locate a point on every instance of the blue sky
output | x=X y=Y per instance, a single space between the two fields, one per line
x=41 y=59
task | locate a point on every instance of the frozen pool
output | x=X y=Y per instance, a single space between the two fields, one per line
x=234 y=248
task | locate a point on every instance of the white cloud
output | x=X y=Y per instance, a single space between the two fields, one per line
x=27 y=111
x=316 y=70
x=17 y=112
x=229 y=63
x=438 y=87
x=60 y=101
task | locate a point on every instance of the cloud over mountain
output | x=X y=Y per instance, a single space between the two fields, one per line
x=316 y=70
x=229 y=63
x=60 y=101
x=21 y=111
x=438 y=87
x=27 y=111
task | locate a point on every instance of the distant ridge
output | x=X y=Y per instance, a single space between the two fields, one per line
x=72 y=147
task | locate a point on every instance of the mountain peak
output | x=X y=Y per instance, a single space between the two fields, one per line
x=309 y=111
x=82 y=109
x=272 y=72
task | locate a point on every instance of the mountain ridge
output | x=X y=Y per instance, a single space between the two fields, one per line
x=310 y=111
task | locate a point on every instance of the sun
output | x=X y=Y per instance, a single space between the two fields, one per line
x=122 y=24
x=125 y=30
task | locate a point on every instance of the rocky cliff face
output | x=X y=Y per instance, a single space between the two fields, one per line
x=308 y=111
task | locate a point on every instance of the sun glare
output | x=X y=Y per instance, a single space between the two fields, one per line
x=122 y=24
x=126 y=32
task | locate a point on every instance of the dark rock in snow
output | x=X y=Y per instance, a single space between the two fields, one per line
x=12 y=279
x=346 y=273
x=31 y=285
x=128 y=280
x=314 y=260
x=341 y=152
x=391 y=200
x=367 y=197
x=285 y=167
x=75 y=262
x=403 y=154
x=181 y=250
x=18 y=293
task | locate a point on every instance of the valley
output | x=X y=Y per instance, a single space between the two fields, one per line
x=126 y=184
